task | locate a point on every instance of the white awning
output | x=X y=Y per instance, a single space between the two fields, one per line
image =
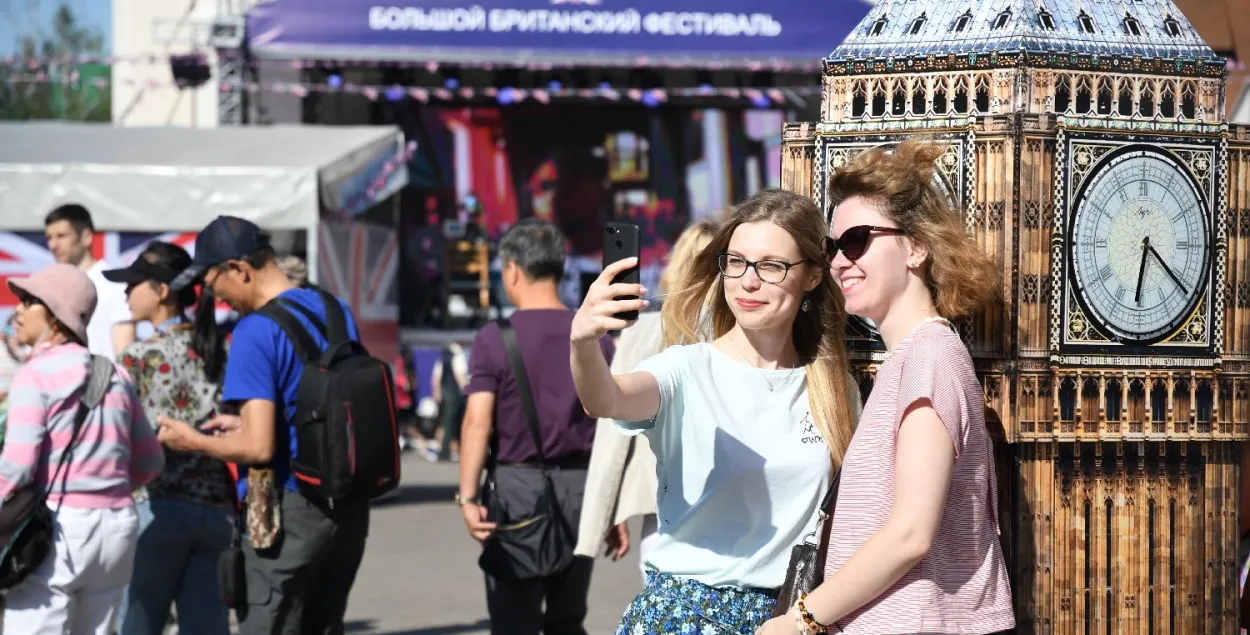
x=179 y=179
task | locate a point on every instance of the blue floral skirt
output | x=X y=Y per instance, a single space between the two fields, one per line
x=669 y=604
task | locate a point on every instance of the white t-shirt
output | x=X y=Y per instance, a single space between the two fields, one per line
x=741 y=469
x=110 y=308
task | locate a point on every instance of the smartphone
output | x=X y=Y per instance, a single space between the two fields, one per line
x=621 y=241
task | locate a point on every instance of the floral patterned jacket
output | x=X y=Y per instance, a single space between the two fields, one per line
x=171 y=382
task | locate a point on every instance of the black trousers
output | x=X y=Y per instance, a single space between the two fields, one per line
x=300 y=585
x=556 y=604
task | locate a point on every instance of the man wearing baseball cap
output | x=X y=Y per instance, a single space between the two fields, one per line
x=234 y=259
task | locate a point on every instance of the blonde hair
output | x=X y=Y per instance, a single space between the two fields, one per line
x=960 y=276
x=819 y=332
x=692 y=240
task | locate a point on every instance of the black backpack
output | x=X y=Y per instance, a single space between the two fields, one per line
x=345 y=422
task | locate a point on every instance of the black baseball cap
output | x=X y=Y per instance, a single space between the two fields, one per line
x=226 y=238
x=142 y=270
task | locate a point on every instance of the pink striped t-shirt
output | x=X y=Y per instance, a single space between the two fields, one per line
x=116 y=451
x=961 y=585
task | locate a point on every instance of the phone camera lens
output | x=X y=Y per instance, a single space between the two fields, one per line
x=611 y=230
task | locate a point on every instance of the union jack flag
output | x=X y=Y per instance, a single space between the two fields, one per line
x=358 y=262
x=24 y=253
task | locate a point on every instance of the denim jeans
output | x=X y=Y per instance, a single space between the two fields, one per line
x=179 y=544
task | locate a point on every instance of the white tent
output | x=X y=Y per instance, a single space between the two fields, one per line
x=179 y=179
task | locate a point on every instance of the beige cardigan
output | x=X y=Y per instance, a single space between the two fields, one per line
x=620 y=486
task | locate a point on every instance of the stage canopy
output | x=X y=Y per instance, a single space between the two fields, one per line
x=693 y=33
x=179 y=179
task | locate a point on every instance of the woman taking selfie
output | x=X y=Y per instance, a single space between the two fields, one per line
x=185 y=515
x=743 y=427
x=914 y=546
x=95 y=528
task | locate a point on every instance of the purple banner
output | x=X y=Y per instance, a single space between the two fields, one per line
x=694 y=32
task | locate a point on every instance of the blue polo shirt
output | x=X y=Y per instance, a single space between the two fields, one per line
x=263 y=364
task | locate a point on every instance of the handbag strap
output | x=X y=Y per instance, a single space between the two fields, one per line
x=99 y=375
x=826 y=513
x=522 y=386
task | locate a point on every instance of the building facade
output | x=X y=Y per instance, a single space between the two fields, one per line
x=1087 y=151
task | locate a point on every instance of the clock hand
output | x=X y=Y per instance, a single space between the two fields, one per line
x=1168 y=270
x=1141 y=271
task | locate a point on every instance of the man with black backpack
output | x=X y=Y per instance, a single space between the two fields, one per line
x=315 y=437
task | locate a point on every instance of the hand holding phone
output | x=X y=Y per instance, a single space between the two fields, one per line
x=615 y=298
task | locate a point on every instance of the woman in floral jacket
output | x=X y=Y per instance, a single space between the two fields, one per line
x=186 y=515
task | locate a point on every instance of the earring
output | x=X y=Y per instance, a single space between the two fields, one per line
x=807 y=303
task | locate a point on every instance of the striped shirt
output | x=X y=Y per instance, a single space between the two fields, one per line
x=961 y=585
x=116 y=450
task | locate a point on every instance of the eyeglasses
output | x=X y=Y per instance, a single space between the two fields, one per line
x=770 y=271
x=854 y=241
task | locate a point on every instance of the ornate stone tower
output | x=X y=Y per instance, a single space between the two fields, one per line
x=1087 y=152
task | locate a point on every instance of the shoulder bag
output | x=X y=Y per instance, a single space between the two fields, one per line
x=807 y=559
x=26 y=523
x=540 y=544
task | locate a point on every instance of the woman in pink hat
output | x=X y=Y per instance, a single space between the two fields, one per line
x=79 y=587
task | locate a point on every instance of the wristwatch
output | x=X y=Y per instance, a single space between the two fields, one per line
x=462 y=500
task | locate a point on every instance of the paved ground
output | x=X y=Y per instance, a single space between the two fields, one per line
x=420 y=575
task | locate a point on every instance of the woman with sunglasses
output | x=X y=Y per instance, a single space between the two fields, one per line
x=743 y=427
x=914 y=546
x=186 y=514
x=95 y=527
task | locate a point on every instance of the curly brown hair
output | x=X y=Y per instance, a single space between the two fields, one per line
x=819 y=332
x=960 y=276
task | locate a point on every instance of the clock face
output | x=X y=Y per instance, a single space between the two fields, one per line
x=1140 y=246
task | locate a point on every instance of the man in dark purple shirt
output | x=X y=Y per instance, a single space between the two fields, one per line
x=532 y=254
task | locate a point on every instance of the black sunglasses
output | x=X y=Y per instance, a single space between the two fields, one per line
x=854 y=241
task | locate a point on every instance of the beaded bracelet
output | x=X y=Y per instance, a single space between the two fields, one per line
x=806 y=622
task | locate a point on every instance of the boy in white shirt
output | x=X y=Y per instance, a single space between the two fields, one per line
x=70 y=233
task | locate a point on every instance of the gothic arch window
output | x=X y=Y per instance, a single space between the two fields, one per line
x=1067 y=400
x=961 y=95
x=898 y=105
x=1001 y=20
x=878 y=98
x=1180 y=404
x=1171 y=26
x=1089 y=404
x=1126 y=98
x=1084 y=97
x=1159 y=404
x=859 y=99
x=982 y=94
x=1146 y=103
x=1086 y=22
x=1045 y=19
x=1188 y=93
x=1063 y=94
x=1131 y=25
x=939 y=96
x=1136 y=405
x=1204 y=399
x=1112 y=394
x=918 y=91
x=1167 y=99
x=917 y=24
x=1105 y=96
x=878 y=27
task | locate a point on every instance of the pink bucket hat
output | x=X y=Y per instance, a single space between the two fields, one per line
x=66 y=291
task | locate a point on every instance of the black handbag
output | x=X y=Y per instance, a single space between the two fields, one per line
x=807 y=559
x=541 y=543
x=26 y=523
x=231 y=580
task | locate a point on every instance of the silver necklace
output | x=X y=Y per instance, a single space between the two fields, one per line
x=771 y=386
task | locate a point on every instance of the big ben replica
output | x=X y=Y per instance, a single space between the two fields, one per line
x=1087 y=152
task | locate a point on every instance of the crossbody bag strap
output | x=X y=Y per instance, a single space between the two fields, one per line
x=305 y=346
x=522 y=385
x=99 y=375
x=826 y=510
